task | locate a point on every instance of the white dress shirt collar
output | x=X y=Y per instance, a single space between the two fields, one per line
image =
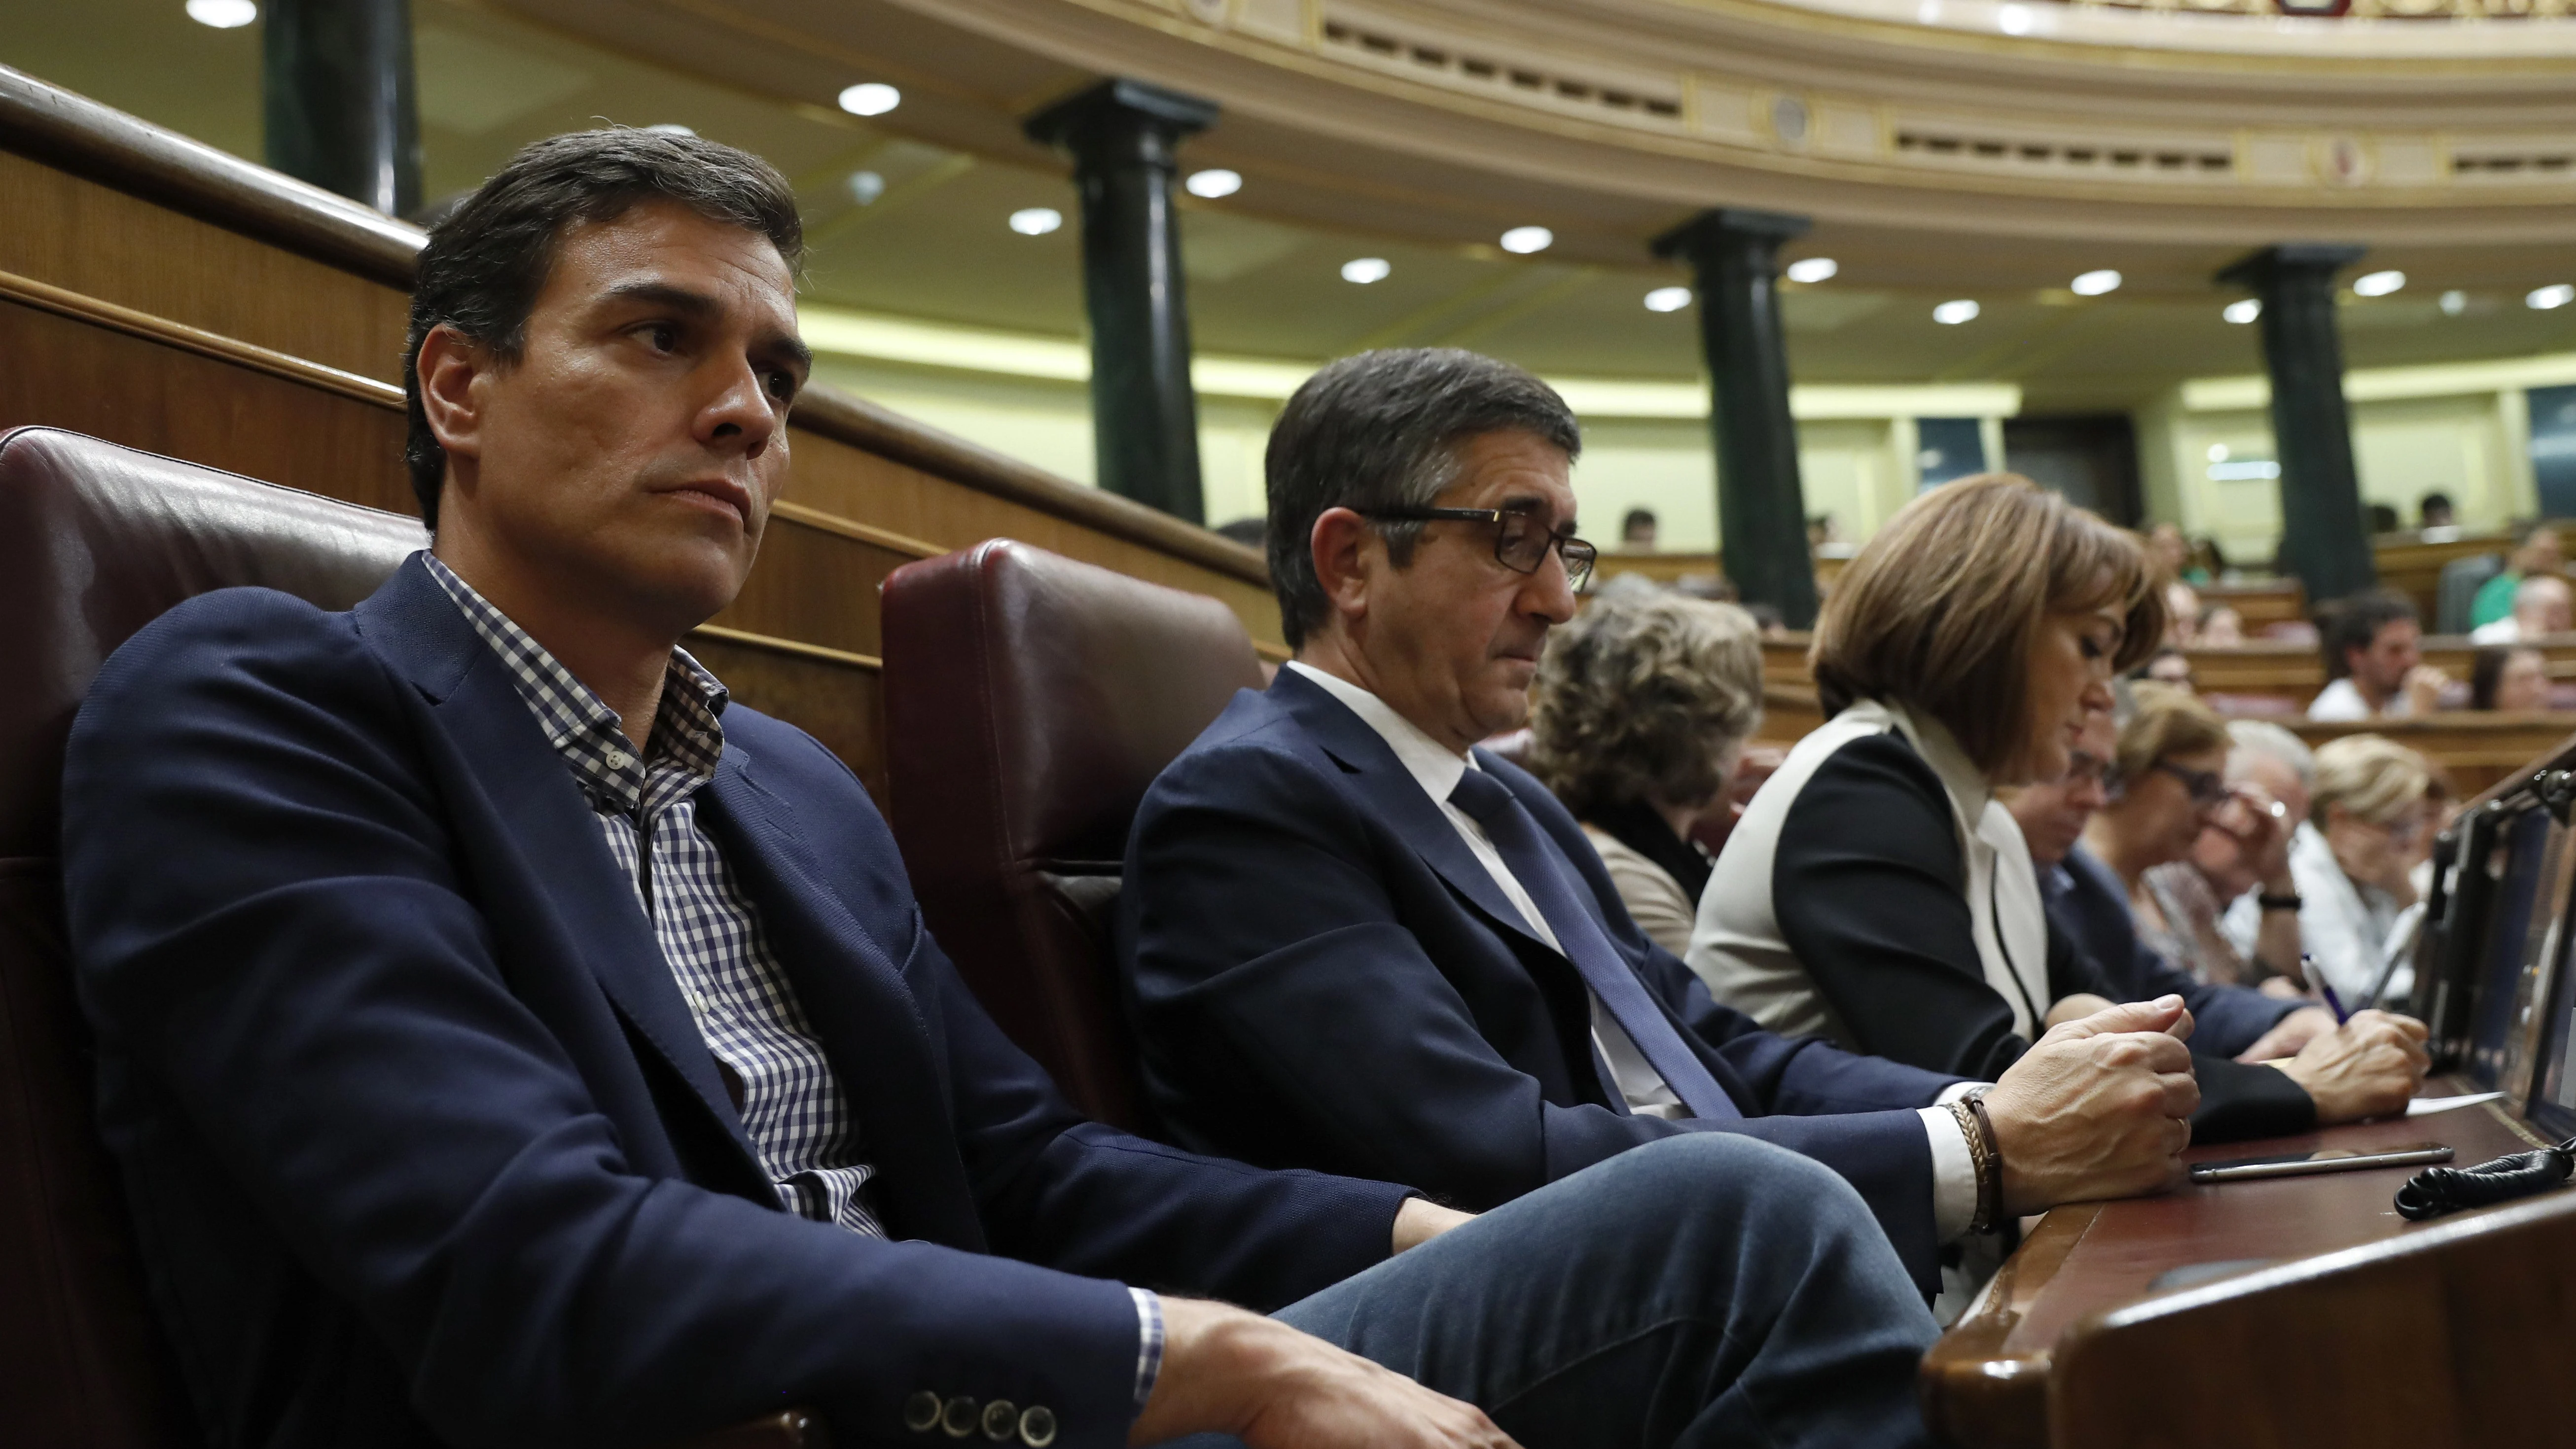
x=1430 y=762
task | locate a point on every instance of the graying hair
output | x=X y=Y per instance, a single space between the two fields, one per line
x=1646 y=694
x=2262 y=737
x=1381 y=430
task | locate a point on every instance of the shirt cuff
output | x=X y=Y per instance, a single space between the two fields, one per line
x=1149 y=1339
x=1954 y=1166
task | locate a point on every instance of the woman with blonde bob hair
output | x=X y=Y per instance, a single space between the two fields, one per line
x=1643 y=705
x=2353 y=870
x=1876 y=892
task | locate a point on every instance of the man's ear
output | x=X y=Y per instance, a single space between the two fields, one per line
x=1342 y=542
x=448 y=366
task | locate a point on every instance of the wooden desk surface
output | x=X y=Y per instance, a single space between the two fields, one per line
x=1985 y=1384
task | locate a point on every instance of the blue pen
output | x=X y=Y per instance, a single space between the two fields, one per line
x=2317 y=979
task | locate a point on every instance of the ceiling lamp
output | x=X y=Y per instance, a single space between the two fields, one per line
x=1365 y=270
x=2014 y=19
x=1522 y=240
x=866 y=187
x=2550 y=298
x=1668 y=299
x=1036 y=220
x=870 y=98
x=1214 y=182
x=2095 y=283
x=2454 y=303
x=1807 y=271
x=2243 y=312
x=223 y=14
x=1951 y=314
x=2377 y=284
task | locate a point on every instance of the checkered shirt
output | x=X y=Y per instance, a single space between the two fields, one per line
x=791 y=1104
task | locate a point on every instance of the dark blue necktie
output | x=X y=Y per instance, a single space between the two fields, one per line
x=1533 y=862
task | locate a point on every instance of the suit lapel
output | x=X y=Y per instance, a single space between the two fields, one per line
x=1398 y=798
x=543 y=813
x=863 y=1011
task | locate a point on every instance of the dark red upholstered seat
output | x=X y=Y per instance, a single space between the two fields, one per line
x=1030 y=700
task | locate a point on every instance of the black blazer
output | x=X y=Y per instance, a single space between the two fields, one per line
x=422 y=1141
x=1322 y=975
x=1870 y=891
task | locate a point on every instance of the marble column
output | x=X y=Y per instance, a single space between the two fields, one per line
x=338 y=98
x=1761 y=508
x=1123 y=136
x=2324 y=539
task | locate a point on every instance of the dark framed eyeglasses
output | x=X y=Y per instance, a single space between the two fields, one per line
x=2208 y=789
x=1520 y=541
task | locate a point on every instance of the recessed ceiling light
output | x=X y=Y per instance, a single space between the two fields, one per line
x=2454 y=303
x=223 y=14
x=1808 y=271
x=2095 y=283
x=2218 y=452
x=1668 y=299
x=2550 y=298
x=1365 y=270
x=668 y=128
x=2377 y=284
x=2243 y=312
x=866 y=187
x=2014 y=19
x=1951 y=314
x=1036 y=220
x=1527 y=239
x=870 y=98
x=1214 y=182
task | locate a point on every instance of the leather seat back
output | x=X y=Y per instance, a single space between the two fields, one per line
x=1030 y=700
x=96 y=540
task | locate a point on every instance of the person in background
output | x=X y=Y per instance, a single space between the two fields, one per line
x=2208 y=563
x=2542 y=605
x=1643 y=705
x=2373 y=647
x=2354 y=870
x=2538 y=551
x=1766 y=617
x=2182 y=615
x=2383 y=518
x=2434 y=511
x=2168 y=553
x=2510 y=679
x=1637 y=531
x=2243 y=858
x=2361 y=1069
x=2221 y=627
x=2167 y=666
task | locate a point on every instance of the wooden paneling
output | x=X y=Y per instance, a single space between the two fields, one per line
x=2414 y=567
x=840 y=702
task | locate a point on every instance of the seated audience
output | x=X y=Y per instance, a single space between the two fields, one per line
x=2357 y=1071
x=2167 y=665
x=2221 y=627
x=1643 y=705
x=2433 y=510
x=1637 y=531
x=2354 y=870
x=1876 y=893
x=2170 y=556
x=2513 y=678
x=2537 y=551
x=2243 y=859
x=2182 y=615
x=2541 y=607
x=1352 y=937
x=507 y=1040
x=2372 y=643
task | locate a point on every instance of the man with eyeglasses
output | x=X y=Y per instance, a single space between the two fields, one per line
x=2348 y=1072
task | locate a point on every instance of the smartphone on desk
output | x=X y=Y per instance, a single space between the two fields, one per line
x=2330 y=1159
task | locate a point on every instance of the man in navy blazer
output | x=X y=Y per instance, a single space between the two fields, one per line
x=505 y=1040
x=1357 y=943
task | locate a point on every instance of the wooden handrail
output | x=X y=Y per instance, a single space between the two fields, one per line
x=106 y=145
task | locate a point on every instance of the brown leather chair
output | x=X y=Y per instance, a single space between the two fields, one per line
x=96 y=540
x=1030 y=700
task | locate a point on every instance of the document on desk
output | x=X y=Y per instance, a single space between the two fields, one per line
x=2427 y=1106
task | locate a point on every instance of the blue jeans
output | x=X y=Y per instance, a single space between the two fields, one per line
x=1698 y=1291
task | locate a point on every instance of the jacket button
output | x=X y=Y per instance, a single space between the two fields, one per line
x=959 y=1420
x=1037 y=1426
x=1000 y=1417
x=921 y=1412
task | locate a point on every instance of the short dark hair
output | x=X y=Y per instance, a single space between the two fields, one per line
x=2355 y=622
x=1380 y=430
x=487 y=260
x=1637 y=518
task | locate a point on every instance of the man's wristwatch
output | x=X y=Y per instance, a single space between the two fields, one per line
x=1969 y=1108
x=2271 y=902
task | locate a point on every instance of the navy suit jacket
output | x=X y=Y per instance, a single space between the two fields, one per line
x=1324 y=976
x=422 y=1141
x=2091 y=906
